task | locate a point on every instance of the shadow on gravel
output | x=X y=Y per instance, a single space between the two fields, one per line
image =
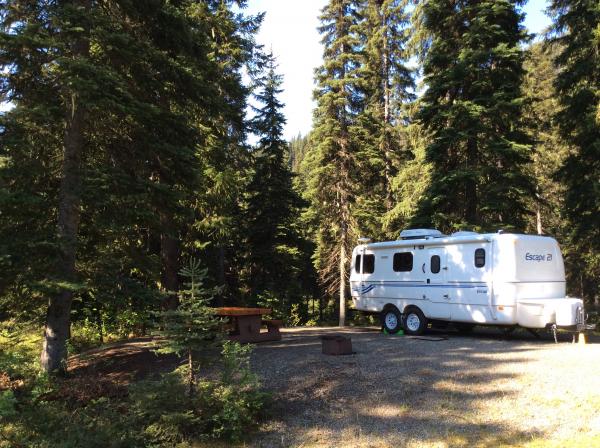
x=394 y=391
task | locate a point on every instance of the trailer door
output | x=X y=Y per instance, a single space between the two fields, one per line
x=436 y=286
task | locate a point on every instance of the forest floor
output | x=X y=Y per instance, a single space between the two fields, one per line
x=447 y=390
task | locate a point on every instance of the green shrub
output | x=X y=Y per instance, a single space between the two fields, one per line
x=236 y=401
x=225 y=405
x=19 y=350
x=7 y=404
x=192 y=328
x=222 y=408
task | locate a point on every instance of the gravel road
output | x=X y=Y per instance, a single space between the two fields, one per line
x=463 y=391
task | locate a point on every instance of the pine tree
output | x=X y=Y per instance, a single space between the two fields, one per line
x=272 y=203
x=62 y=29
x=549 y=149
x=387 y=85
x=331 y=161
x=193 y=327
x=411 y=182
x=154 y=112
x=297 y=149
x=576 y=29
x=471 y=111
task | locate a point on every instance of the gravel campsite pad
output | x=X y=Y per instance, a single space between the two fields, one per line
x=466 y=391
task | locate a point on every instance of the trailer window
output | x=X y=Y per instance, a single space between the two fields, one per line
x=479 y=258
x=435 y=264
x=403 y=262
x=369 y=264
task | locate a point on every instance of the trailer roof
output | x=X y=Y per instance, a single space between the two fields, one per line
x=448 y=240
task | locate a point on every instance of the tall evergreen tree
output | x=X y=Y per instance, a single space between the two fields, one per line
x=272 y=203
x=549 y=148
x=297 y=149
x=331 y=160
x=576 y=29
x=151 y=97
x=387 y=85
x=471 y=110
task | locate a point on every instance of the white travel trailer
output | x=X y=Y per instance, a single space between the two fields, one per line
x=466 y=278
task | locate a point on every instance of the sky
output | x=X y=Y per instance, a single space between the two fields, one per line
x=290 y=30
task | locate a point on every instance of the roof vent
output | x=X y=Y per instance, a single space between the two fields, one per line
x=464 y=233
x=415 y=234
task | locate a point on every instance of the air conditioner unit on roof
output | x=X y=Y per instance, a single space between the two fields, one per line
x=464 y=233
x=414 y=234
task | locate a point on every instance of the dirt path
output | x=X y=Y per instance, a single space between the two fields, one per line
x=478 y=390
x=107 y=371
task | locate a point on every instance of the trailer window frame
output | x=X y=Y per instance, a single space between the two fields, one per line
x=403 y=262
x=435 y=267
x=368 y=264
x=479 y=257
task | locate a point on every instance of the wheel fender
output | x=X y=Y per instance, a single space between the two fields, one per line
x=388 y=306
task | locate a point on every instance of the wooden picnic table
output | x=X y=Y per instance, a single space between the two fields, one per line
x=247 y=324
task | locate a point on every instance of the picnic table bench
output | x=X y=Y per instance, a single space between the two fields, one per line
x=246 y=324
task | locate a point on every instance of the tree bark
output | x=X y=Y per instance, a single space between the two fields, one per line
x=190 y=375
x=58 y=322
x=169 y=254
x=471 y=185
x=219 y=299
x=342 y=320
x=385 y=77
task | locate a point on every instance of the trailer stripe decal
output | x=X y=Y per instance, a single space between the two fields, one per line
x=366 y=289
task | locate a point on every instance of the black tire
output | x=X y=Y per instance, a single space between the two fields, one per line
x=391 y=320
x=463 y=328
x=414 y=321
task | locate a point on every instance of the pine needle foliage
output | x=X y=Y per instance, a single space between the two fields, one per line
x=272 y=204
x=576 y=30
x=387 y=87
x=471 y=110
x=332 y=161
x=193 y=328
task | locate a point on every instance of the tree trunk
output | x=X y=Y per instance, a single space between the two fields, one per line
x=58 y=318
x=190 y=375
x=219 y=299
x=385 y=76
x=471 y=185
x=169 y=254
x=320 y=308
x=342 y=320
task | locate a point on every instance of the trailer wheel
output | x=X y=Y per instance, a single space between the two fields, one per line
x=391 y=320
x=414 y=321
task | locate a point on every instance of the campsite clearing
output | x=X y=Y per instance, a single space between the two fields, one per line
x=467 y=391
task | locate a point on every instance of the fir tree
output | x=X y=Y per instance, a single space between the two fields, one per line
x=471 y=111
x=387 y=84
x=272 y=203
x=576 y=30
x=331 y=160
x=297 y=149
x=193 y=327
x=154 y=113
x=549 y=149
